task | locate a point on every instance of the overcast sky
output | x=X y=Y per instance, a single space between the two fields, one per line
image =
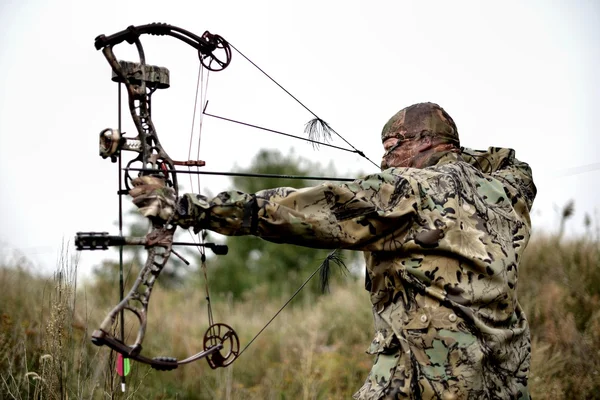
x=511 y=74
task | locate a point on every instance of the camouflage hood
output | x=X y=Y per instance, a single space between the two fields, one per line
x=419 y=119
x=495 y=159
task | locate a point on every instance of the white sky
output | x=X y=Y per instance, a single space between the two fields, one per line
x=510 y=74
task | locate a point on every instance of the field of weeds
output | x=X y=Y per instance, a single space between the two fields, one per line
x=313 y=350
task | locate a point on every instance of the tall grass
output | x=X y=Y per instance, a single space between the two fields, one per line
x=560 y=291
x=313 y=350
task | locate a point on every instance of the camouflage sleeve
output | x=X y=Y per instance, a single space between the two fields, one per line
x=515 y=175
x=362 y=215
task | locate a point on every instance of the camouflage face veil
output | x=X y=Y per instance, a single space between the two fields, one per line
x=419 y=120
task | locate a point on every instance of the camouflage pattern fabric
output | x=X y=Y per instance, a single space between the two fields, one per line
x=442 y=247
x=421 y=119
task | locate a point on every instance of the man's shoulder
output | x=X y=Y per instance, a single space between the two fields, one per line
x=456 y=170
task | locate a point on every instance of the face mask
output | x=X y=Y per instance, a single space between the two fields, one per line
x=389 y=151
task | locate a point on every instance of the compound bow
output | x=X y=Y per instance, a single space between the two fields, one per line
x=221 y=343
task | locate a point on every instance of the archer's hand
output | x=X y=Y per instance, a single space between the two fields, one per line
x=192 y=212
x=153 y=198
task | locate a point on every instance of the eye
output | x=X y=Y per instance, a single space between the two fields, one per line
x=389 y=143
x=392 y=144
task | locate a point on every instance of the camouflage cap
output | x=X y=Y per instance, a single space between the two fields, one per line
x=418 y=119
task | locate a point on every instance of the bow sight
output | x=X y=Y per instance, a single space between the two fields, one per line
x=221 y=343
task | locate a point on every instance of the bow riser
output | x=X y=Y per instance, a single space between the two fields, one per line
x=140 y=89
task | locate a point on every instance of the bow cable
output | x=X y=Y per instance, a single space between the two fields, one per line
x=200 y=74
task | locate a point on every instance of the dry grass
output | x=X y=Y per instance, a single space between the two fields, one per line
x=560 y=291
x=313 y=350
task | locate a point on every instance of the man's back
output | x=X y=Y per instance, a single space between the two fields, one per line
x=444 y=289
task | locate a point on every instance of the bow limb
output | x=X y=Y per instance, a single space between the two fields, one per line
x=221 y=343
x=218 y=337
x=213 y=51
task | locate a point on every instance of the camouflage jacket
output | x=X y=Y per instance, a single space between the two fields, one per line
x=442 y=247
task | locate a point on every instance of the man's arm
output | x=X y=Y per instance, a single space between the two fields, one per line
x=362 y=215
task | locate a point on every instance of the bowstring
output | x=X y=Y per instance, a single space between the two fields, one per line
x=201 y=90
x=325 y=126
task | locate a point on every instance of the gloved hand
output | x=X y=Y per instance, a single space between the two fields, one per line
x=153 y=198
x=192 y=212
